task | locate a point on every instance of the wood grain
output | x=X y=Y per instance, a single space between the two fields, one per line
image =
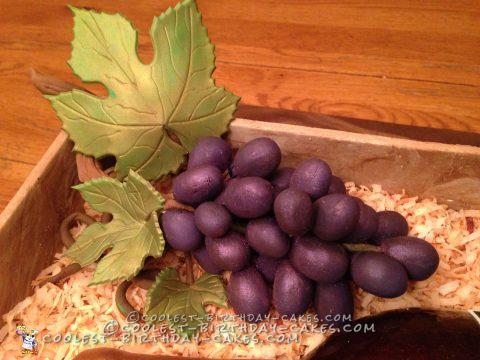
x=29 y=224
x=401 y=62
x=356 y=125
x=12 y=174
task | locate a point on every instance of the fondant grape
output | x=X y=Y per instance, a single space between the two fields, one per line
x=179 y=230
x=197 y=185
x=259 y=157
x=248 y=294
x=202 y=257
x=267 y=266
x=280 y=179
x=293 y=211
x=212 y=219
x=390 y=224
x=213 y=151
x=292 y=292
x=221 y=199
x=417 y=256
x=230 y=252
x=366 y=226
x=335 y=216
x=313 y=176
x=334 y=303
x=379 y=274
x=249 y=197
x=265 y=237
x=318 y=260
x=337 y=186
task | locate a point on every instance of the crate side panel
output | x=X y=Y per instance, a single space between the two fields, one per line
x=29 y=224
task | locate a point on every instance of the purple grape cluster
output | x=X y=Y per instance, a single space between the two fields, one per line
x=288 y=229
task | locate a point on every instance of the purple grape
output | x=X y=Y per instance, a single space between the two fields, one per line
x=202 y=257
x=313 y=176
x=212 y=219
x=379 y=274
x=293 y=211
x=292 y=292
x=280 y=179
x=213 y=151
x=248 y=294
x=334 y=303
x=267 y=266
x=390 y=224
x=198 y=185
x=249 y=197
x=366 y=226
x=335 y=216
x=179 y=229
x=337 y=186
x=417 y=256
x=220 y=199
x=318 y=260
x=259 y=157
x=265 y=237
x=230 y=252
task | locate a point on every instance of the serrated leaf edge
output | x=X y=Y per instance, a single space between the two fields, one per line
x=77 y=10
x=132 y=173
x=184 y=3
x=165 y=273
x=142 y=263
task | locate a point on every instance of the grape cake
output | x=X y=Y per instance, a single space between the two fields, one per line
x=281 y=277
x=188 y=247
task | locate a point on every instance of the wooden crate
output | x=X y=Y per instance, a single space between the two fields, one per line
x=29 y=224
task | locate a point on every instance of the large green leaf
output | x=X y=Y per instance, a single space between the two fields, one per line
x=132 y=235
x=169 y=297
x=174 y=94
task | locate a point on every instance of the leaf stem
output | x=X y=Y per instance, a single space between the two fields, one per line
x=145 y=278
x=189 y=264
x=62 y=275
x=123 y=305
x=65 y=234
x=50 y=85
x=68 y=240
x=361 y=247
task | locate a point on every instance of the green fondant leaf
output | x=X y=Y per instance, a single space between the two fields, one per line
x=147 y=103
x=183 y=304
x=132 y=235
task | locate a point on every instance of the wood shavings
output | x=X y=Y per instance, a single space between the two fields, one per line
x=456 y=284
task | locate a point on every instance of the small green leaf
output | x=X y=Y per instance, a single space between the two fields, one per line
x=132 y=235
x=168 y=296
x=174 y=94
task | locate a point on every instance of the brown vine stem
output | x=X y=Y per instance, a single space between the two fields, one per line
x=68 y=241
x=121 y=300
x=50 y=85
x=63 y=274
x=65 y=235
x=189 y=264
x=361 y=247
x=145 y=278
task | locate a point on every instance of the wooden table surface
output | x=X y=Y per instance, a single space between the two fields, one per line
x=403 y=62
